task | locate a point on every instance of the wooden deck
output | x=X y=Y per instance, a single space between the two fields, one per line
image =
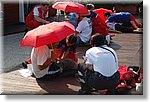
x=129 y=48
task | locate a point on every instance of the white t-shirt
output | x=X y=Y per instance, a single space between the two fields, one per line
x=85 y=29
x=102 y=60
x=38 y=56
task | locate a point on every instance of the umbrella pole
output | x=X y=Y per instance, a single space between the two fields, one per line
x=52 y=46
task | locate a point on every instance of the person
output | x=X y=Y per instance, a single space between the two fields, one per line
x=100 y=70
x=73 y=19
x=68 y=47
x=126 y=18
x=34 y=19
x=98 y=25
x=45 y=62
x=37 y=16
x=65 y=50
x=118 y=28
x=83 y=30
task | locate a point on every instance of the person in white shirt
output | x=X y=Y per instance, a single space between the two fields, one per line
x=100 y=70
x=44 y=62
x=83 y=30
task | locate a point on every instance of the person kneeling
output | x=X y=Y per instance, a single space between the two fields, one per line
x=45 y=63
x=100 y=70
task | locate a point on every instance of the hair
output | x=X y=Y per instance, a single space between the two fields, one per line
x=90 y=6
x=107 y=14
x=72 y=39
x=97 y=40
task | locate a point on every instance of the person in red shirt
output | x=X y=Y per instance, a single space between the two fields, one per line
x=37 y=16
x=98 y=25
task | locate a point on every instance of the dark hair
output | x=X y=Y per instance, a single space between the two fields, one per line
x=97 y=40
x=107 y=14
x=90 y=6
x=72 y=39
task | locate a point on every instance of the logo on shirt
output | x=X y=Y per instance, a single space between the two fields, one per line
x=90 y=23
x=102 y=53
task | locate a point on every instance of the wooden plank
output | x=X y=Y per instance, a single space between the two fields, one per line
x=129 y=45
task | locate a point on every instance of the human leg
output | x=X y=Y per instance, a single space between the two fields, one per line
x=107 y=39
x=79 y=41
x=134 y=22
x=100 y=82
x=81 y=76
x=53 y=72
x=69 y=67
x=123 y=29
x=113 y=83
x=67 y=64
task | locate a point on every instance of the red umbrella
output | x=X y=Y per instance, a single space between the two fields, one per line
x=47 y=34
x=101 y=12
x=71 y=7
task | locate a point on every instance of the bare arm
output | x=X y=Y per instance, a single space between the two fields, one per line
x=89 y=67
x=41 y=20
x=106 y=21
x=76 y=33
x=114 y=31
x=66 y=53
x=46 y=64
x=133 y=24
x=49 y=61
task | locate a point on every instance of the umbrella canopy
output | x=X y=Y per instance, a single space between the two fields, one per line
x=101 y=12
x=47 y=34
x=71 y=7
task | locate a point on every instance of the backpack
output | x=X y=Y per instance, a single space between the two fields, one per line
x=129 y=76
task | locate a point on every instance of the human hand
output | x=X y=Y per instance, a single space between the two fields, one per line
x=47 y=22
x=54 y=56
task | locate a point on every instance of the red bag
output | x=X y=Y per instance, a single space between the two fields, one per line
x=129 y=75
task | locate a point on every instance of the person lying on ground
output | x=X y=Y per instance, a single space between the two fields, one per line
x=118 y=28
x=126 y=18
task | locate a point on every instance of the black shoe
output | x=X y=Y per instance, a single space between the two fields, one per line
x=24 y=64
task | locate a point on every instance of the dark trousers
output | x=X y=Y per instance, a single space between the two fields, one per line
x=65 y=67
x=96 y=80
x=123 y=28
